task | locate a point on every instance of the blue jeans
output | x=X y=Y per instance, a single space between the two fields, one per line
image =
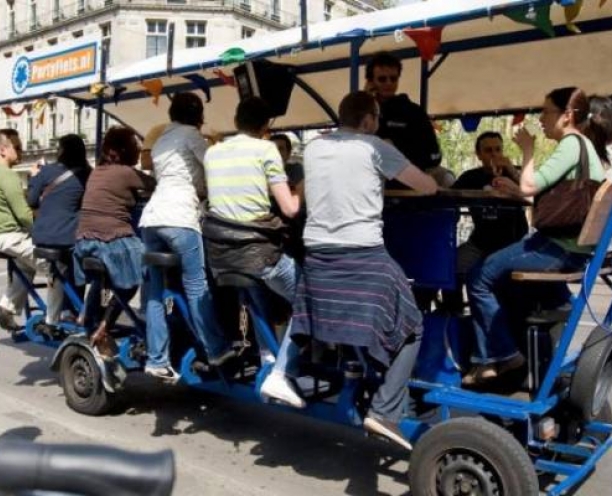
x=282 y=279
x=490 y=280
x=187 y=244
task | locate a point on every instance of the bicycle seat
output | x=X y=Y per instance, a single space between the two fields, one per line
x=161 y=259
x=50 y=254
x=92 y=264
x=236 y=280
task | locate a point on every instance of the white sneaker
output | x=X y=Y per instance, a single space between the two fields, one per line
x=277 y=386
x=166 y=374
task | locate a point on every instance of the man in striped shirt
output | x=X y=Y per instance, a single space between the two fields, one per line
x=241 y=174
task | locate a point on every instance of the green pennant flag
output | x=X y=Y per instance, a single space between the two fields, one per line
x=232 y=56
x=538 y=17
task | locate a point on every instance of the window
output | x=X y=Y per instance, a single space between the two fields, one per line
x=7 y=55
x=52 y=41
x=77 y=34
x=33 y=15
x=247 y=32
x=175 y=2
x=157 y=38
x=80 y=6
x=196 y=34
x=11 y=23
x=52 y=119
x=56 y=13
x=275 y=10
x=106 y=32
x=245 y=5
x=327 y=10
x=29 y=48
x=77 y=120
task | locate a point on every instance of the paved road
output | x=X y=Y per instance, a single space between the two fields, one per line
x=222 y=447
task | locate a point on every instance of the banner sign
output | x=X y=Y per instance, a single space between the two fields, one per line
x=61 y=67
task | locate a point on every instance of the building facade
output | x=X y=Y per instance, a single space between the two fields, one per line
x=136 y=29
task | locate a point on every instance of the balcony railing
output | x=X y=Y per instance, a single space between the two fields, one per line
x=259 y=9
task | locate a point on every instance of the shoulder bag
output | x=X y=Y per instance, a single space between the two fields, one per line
x=560 y=211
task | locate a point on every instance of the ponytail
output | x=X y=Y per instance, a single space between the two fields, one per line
x=598 y=127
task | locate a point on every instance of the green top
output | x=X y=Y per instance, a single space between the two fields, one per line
x=15 y=214
x=565 y=160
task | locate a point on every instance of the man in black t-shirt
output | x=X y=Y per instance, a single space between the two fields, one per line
x=494 y=229
x=402 y=122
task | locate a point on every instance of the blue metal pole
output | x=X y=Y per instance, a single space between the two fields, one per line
x=424 y=84
x=100 y=99
x=355 y=46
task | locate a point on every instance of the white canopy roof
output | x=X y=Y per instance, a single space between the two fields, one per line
x=493 y=63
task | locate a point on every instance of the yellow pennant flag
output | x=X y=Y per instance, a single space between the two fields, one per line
x=571 y=12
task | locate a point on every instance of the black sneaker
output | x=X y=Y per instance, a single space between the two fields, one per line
x=7 y=320
x=386 y=428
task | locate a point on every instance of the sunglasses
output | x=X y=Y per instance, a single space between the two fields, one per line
x=384 y=79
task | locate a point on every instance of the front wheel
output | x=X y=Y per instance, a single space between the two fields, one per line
x=81 y=380
x=471 y=456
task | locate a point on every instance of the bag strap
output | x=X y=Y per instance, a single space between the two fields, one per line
x=56 y=182
x=583 y=160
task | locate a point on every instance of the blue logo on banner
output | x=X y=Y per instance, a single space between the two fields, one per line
x=21 y=75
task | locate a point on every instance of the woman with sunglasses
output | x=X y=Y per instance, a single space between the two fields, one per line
x=567 y=119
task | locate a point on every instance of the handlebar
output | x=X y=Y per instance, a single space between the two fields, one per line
x=84 y=470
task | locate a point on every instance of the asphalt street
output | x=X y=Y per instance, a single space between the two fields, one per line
x=222 y=447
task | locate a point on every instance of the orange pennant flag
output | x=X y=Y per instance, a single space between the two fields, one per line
x=517 y=119
x=154 y=87
x=427 y=40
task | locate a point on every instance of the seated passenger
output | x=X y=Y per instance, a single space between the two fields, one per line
x=491 y=232
x=351 y=291
x=171 y=222
x=105 y=230
x=56 y=192
x=566 y=119
x=241 y=172
x=15 y=226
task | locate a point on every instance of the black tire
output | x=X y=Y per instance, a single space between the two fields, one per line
x=592 y=380
x=81 y=381
x=474 y=456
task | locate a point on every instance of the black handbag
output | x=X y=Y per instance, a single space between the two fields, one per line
x=560 y=211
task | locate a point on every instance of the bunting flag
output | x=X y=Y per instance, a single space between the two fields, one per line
x=154 y=87
x=117 y=92
x=517 y=119
x=427 y=41
x=437 y=126
x=229 y=80
x=470 y=123
x=538 y=17
x=97 y=89
x=9 y=112
x=201 y=83
x=38 y=110
x=571 y=12
x=232 y=56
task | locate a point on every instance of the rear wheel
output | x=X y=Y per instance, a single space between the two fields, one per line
x=471 y=456
x=592 y=380
x=81 y=380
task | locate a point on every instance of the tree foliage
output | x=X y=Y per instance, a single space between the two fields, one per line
x=458 y=145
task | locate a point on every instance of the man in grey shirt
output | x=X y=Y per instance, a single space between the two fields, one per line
x=351 y=291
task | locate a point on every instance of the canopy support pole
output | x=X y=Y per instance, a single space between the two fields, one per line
x=424 y=84
x=309 y=90
x=355 y=46
x=100 y=98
